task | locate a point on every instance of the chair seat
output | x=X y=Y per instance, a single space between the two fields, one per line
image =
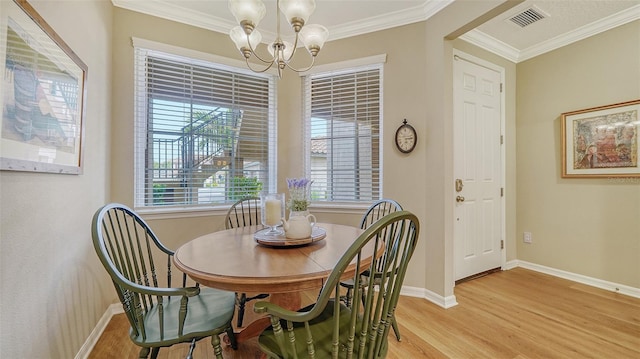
x=212 y=308
x=321 y=329
x=322 y=332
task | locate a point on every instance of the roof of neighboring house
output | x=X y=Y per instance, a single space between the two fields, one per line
x=319 y=146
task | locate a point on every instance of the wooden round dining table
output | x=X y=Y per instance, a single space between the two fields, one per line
x=233 y=260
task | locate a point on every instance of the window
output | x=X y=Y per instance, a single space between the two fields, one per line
x=342 y=118
x=205 y=132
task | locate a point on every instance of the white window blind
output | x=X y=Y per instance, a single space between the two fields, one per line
x=205 y=134
x=342 y=117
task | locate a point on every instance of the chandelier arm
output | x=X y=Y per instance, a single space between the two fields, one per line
x=313 y=60
x=295 y=49
x=253 y=51
x=258 y=71
x=278 y=46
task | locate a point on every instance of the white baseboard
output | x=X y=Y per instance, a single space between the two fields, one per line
x=450 y=301
x=437 y=299
x=594 y=282
x=91 y=341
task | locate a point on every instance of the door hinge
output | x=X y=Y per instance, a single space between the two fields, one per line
x=501 y=191
x=501 y=87
x=502 y=244
x=502 y=139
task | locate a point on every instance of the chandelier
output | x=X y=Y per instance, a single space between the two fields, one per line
x=248 y=14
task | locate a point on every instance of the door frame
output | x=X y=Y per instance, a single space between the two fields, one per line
x=457 y=54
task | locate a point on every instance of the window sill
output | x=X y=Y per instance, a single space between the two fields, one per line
x=181 y=212
x=192 y=212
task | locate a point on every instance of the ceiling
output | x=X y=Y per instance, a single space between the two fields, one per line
x=563 y=22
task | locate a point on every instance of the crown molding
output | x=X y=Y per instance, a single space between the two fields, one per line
x=390 y=20
x=491 y=44
x=581 y=33
x=171 y=10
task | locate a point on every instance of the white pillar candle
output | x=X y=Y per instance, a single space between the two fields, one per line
x=274 y=212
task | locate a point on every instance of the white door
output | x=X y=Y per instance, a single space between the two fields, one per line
x=478 y=223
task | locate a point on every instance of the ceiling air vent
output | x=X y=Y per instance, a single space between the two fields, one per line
x=528 y=17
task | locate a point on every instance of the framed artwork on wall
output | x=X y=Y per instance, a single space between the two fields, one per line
x=43 y=95
x=601 y=142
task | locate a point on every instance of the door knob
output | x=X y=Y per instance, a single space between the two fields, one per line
x=459 y=199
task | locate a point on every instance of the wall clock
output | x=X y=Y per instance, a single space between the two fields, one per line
x=406 y=137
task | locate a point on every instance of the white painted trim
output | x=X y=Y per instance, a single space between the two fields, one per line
x=181 y=212
x=345 y=65
x=579 y=278
x=491 y=44
x=387 y=21
x=437 y=299
x=236 y=65
x=91 y=341
x=170 y=10
x=581 y=33
x=510 y=265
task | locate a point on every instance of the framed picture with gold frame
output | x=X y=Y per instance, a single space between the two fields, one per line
x=601 y=141
x=44 y=91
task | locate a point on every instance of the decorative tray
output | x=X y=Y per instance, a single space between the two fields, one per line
x=280 y=240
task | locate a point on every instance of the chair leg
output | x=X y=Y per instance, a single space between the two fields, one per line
x=154 y=353
x=233 y=341
x=347 y=298
x=191 y=348
x=217 y=348
x=394 y=324
x=144 y=353
x=241 y=300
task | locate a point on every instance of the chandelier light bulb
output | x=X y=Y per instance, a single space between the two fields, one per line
x=248 y=13
x=287 y=52
x=239 y=37
x=297 y=12
x=313 y=36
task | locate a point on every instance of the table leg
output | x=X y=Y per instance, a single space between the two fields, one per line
x=292 y=301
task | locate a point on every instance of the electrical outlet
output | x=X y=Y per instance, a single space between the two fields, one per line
x=527 y=237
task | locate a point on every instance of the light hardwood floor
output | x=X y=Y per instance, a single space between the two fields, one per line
x=512 y=314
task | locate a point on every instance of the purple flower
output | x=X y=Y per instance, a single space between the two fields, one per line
x=298 y=183
x=299 y=192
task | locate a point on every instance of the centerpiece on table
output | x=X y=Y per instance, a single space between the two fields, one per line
x=300 y=224
x=299 y=194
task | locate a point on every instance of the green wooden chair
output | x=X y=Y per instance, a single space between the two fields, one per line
x=159 y=315
x=329 y=328
x=376 y=211
x=245 y=212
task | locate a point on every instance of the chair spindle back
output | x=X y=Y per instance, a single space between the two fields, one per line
x=127 y=247
x=243 y=213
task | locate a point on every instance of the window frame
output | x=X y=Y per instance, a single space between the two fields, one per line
x=345 y=67
x=141 y=104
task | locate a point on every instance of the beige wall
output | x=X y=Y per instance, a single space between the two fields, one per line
x=585 y=226
x=53 y=289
